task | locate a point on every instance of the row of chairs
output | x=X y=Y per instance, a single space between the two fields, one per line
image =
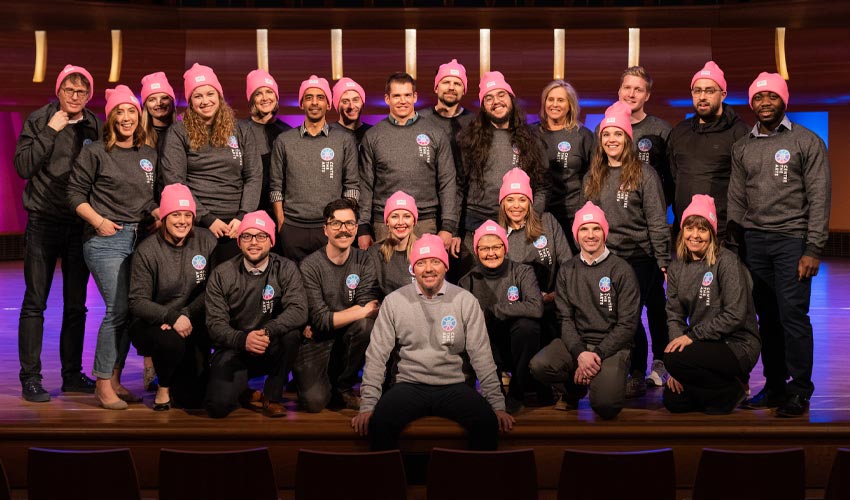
x=452 y=475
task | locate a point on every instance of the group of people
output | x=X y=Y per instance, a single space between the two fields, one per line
x=432 y=250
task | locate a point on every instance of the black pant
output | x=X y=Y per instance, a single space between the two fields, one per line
x=47 y=241
x=181 y=363
x=406 y=402
x=230 y=371
x=299 y=242
x=656 y=316
x=646 y=271
x=709 y=373
x=513 y=343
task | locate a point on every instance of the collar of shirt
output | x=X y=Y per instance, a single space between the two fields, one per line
x=303 y=130
x=255 y=271
x=756 y=132
x=441 y=291
x=596 y=261
x=410 y=121
x=520 y=228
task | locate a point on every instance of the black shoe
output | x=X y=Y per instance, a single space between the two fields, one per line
x=766 y=398
x=794 y=406
x=34 y=392
x=78 y=383
x=162 y=406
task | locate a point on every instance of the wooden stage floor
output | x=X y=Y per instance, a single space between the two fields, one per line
x=77 y=422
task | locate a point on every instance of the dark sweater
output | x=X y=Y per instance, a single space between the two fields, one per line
x=391 y=275
x=568 y=153
x=357 y=134
x=701 y=161
x=546 y=254
x=714 y=304
x=168 y=281
x=117 y=184
x=309 y=172
x=597 y=305
x=238 y=302
x=451 y=126
x=44 y=158
x=225 y=181
x=262 y=136
x=781 y=184
x=416 y=159
x=506 y=292
x=332 y=288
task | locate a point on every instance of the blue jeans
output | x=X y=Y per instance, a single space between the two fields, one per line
x=47 y=241
x=108 y=257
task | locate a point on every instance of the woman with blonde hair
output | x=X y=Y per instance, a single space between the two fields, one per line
x=392 y=254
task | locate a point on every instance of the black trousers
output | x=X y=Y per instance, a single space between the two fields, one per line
x=709 y=373
x=405 y=402
x=648 y=276
x=513 y=343
x=299 y=242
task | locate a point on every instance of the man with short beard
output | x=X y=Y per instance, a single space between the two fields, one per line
x=349 y=99
x=310 y=167
x=342 y=292
x=779 y=196
x=700 y=147
x=448 y=114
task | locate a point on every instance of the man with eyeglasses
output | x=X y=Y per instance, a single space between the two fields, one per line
x=342 y=292
x=404 y=152
x=700 y=147
x=50 y=141
x=310 y=166
x=255 y=307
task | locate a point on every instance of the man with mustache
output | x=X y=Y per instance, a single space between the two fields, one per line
x=700 y=148
x=311 y=166
x=448 y=113
x=779 y=196
x=255 y=309
x=342 y=292
x=435 y=324
x=349 y=99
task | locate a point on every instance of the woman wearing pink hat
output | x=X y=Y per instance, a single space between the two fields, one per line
x=392 y=254
x=111 y=188
x=712 y=319
x=158 y=108
x=207 y=152
x=569 y=148
x=169 y=275
x=632 y=198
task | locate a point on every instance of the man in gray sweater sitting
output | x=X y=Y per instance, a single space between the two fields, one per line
x=434 y=323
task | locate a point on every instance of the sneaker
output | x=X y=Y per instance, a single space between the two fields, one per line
x=658 y=376
x=765 y=399
x=34 y=392
x=636 y=386
x=78 y=383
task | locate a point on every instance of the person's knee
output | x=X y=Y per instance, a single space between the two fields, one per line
x=673 y=362
x=607 y=410
x=218 y=406
x=315 y=399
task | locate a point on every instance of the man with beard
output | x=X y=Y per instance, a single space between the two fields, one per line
x=310 y=167
x=435 y=324
x=779 y=196
x=255 y=308
x=349 y=99
x=342 y=293
x=404 y=152
x=448 y=114
x=700 y=147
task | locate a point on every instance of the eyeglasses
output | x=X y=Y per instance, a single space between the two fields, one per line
x=336 y=225
x=489 y=98
x=696 y=92
x=71 y=93
x=247 y=237
x=494 y=248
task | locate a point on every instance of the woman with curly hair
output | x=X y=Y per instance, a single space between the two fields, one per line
x=208 y=153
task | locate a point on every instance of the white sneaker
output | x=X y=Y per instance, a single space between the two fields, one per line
x=658 y=376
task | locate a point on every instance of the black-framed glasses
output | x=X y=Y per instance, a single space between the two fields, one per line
x=336 y=225
x=71 y=93
x=247 y=237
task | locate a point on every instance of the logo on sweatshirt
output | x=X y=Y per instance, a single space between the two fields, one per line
x=707 y=278
x=199 y=262
x=782 y=156
x=423 y=140
x=605 y=284
x=268 y=292
x=644 y=144
x=86 y=142
x=146 y=165
x=704 y=290
x=327 y=154
x=541 y=242
x=410 y=269
x=448 y=323
x=564 y=147
x=232 y=142
x=352 y=281
x=513 y=293
x=605 y=293
x=515 y=149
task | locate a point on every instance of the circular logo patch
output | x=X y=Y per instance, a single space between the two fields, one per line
x=146 y=165
x=541 y=242
x=327 y=154
x=707 y=278
x=232 y=142
x=199 y=262
x=644 y=144
x=515 y=149
x=352 y=281
x=605 y=284
x=423 y=140
x=268 y=292
x=564 y=146
x=513 y=293
x=410 y=269
x=782 y=156
x=86 y=142
x=448 y=323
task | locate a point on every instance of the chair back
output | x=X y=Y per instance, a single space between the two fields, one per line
x=494 y=475
x=744 y=475
x=838 y=487
x=81 y=474
x=322 y=475
x=216 y=475
x=5 y=491
x=636 y=475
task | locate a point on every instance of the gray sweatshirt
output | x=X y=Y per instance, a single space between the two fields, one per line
x=44 y=158
x=638 y=218
x=451 y=126
x=391 y=275
x=416 y=159
x=781 y=184
x=225 y=181
x=238 y=302
x=569 y=153
x=262 y=136
x=546 y=254
x=167 y=281
x=506 y=292
x=432 y=335
x=597 y=305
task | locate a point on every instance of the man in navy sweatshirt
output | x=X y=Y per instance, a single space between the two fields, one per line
x=779 y=196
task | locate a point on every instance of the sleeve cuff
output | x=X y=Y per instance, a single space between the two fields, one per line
x=276 y=196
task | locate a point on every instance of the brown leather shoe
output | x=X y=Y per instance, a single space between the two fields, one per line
x=273 y=409
x=250 y=398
